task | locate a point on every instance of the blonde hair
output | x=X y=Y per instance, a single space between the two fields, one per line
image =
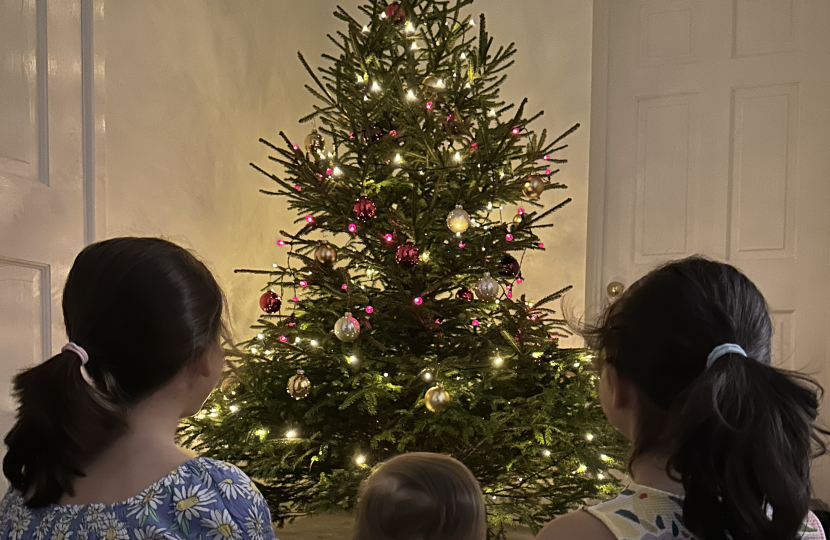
x=421 y=496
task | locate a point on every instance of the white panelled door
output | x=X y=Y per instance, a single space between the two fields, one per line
x=41 y=179
x=711 y=135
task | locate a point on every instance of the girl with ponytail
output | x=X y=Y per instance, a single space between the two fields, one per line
x=92 y=455
x=722 y=440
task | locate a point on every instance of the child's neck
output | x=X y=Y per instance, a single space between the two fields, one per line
x=650 y=471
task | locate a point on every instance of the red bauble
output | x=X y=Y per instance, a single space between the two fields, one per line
x=464 y=294
x=364 y=208
x=510 y=266
x=395 y=13
x=270 y=302
x=407 y=254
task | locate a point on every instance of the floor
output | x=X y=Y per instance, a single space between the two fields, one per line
x=339 y=527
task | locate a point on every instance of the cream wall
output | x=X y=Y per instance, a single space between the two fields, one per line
x=191 y=86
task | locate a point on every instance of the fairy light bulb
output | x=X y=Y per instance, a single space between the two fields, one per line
x=337 y=171
x=427 y=376
x=498 y=361
x=309 y=218
x=360 y=460
x=365 y=28
x=352 y=227
x=303 y=283
x=261 y=433
x=370 y=309
x=234 y=408
x=589 y=437
x=375 y=87
x=260 y=336
x=297 y=340
x=463 y=56
x=582 y=469
x=418 y=301
x=283 y=339
x=546 y=453
x=398 y=158
x=352 y=359
x=457 y=157
x=290 y=434
x=410 y=95
x=281 y=242
x=603 y=457
x=600 y=476
x=409 y=27
x=313 y=342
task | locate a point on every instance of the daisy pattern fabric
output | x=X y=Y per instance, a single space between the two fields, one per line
x=643 y=513
x=203 y=499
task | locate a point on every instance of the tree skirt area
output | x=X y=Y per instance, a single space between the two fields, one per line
x=339 y=527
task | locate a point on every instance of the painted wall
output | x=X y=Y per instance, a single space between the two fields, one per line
x=191 y=86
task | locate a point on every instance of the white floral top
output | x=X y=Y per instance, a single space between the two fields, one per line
x=203 y=499
x=643 y=513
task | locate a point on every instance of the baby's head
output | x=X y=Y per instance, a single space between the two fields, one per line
x=421 y=496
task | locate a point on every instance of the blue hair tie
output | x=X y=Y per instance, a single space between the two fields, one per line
x=720 y=350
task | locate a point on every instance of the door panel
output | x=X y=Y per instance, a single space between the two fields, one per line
x=710 y=131
x=41 y=179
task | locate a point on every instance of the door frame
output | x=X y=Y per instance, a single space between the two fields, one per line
x=598 y=148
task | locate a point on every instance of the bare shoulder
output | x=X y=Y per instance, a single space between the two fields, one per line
x=579 y=524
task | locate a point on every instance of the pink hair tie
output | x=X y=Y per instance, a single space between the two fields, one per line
x=78 y=350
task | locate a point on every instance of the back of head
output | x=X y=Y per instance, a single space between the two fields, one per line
x=421 y=496
x=142 y=309
x=739 y=433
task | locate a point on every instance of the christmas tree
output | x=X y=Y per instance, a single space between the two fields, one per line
x=393 y=326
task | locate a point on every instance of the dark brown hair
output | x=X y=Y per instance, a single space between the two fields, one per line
x=142 y=308
x=421 y=496
x=739 y=435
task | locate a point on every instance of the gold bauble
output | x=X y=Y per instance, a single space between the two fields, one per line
x=314 y=142
x=437 y=399
x=299 y=386
x=431 y=86
x=325 y=253
x=458 y=220
x=534 y=187
x=518 y=218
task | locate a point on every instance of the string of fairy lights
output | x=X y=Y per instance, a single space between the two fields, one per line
x=459 y=221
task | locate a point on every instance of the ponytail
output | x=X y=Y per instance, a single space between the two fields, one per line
x=744 y=436
x=63 y=422
x=694 y=339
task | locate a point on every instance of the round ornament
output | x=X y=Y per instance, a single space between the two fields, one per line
x=395 y=13
x=347 y=328
x=458 y=220
x=270 y=302
x=437 y=399
x=487 y=288
x=431 y=86
x=364 y=208
x=534 y=187
x=464 y=294
x=314 y=142
x=407 y=254
x=510 y=266
x=299 y=386
x=325 y=253
x=518 y=218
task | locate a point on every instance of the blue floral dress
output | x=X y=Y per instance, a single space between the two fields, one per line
x=203 y=499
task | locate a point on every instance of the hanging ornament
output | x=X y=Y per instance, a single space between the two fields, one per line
x=314 y=142
x=464 y=294
x=510 y=266
x=372 y=134
x=437 y=399
x=364 y=208
x=458 y=220
x=407 y=254
x=270 y=302
x=534 y=187
x=299 y=386
x=487 y=288
x=431 y=86
x=325 y=253
x=347 y=328
x=395 y=13
x=519 y=217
